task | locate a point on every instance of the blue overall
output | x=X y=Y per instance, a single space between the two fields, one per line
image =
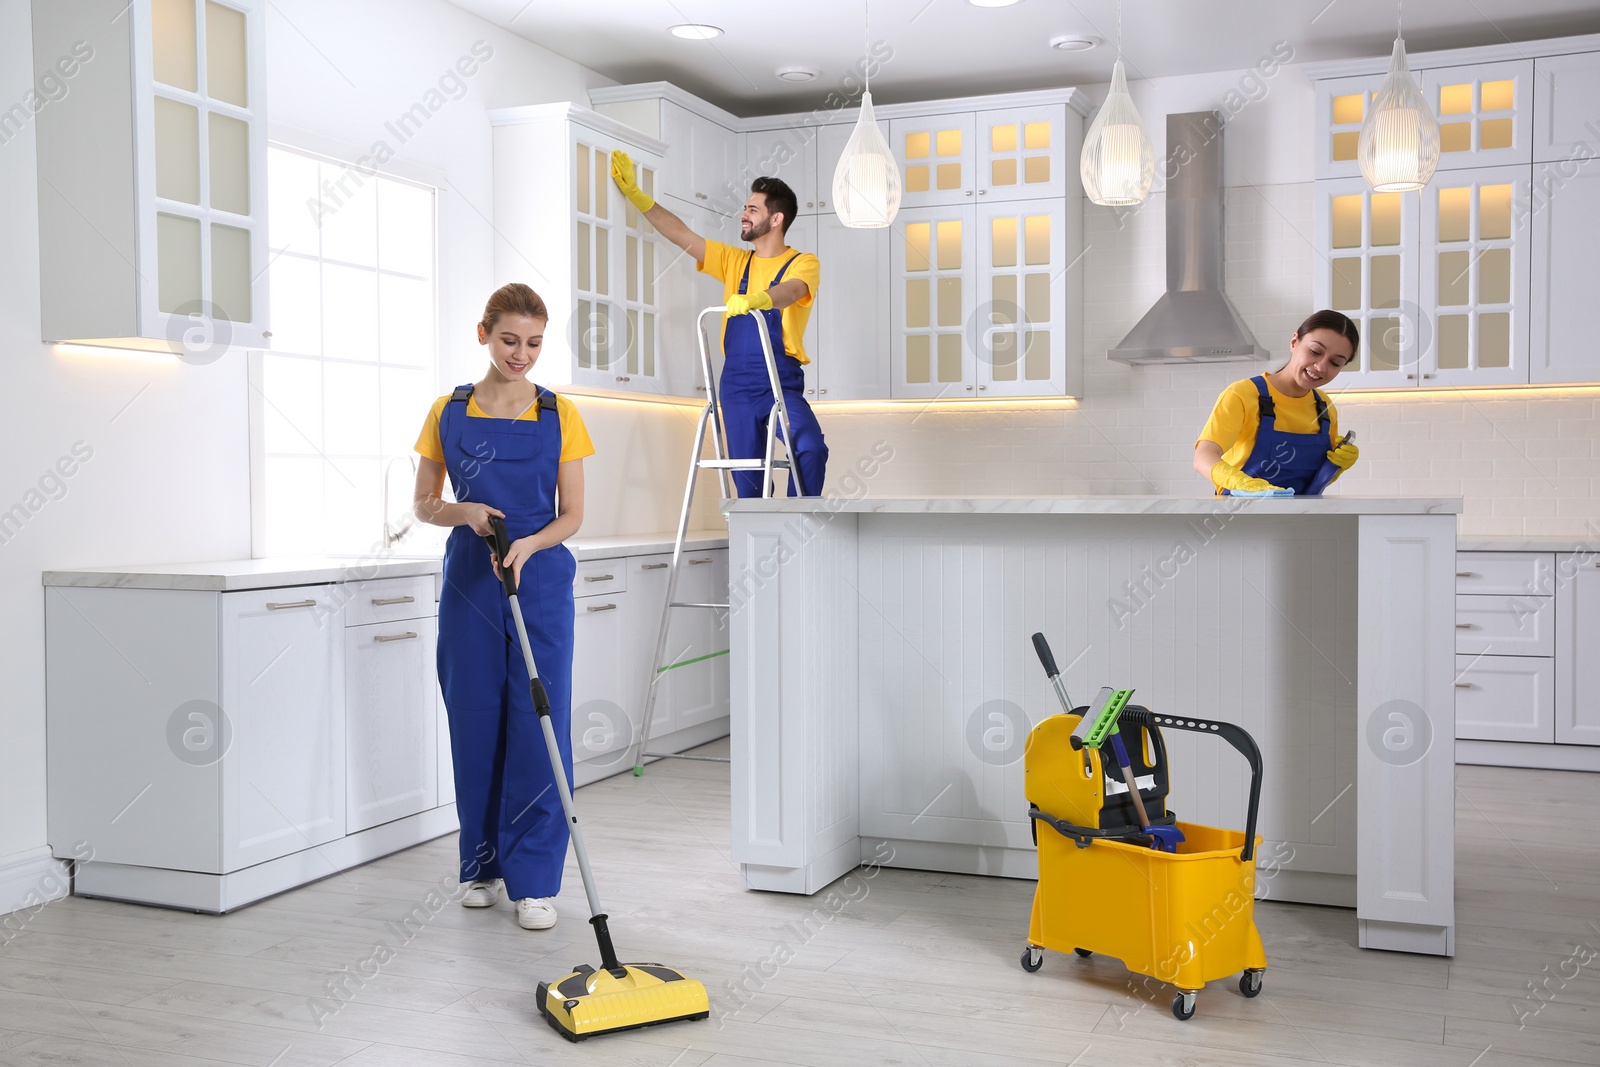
x=746 y=398
x=512 y=825
x=1287 y=460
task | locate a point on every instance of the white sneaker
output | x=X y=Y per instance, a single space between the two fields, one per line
x=481 y=894
x=536 y=913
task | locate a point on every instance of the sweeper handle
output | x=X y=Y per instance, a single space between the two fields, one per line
x=1235 y=736
x=1042 y=647
x=500 y=541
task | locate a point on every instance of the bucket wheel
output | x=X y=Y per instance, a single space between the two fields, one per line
x=1032 y=958
x=1183 y=1006
x=1250 y=983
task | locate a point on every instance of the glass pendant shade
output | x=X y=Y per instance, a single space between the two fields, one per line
x=1399 y=145
x=866 y=183
x=1118 y=163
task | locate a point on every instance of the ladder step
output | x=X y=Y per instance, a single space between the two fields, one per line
x=741 y=464
x=686 y=662
x=680 y=755
x=685 y=604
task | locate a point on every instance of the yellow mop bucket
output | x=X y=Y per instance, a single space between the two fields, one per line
x=1184 y=917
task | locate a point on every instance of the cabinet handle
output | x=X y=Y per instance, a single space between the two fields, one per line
x=623 y=378
x=694 y=562
x=1428 y=374
x=699 y=388
x=983 y=192
x=1470 y=574
x=386 y=638
x=601 y=607
x=599 y=577
x=969 y=388
x=1463 y=685
x=822 y=392
x=969 y=192
x=983 y=387
x=808 y=203
x=383 y=602
x=1411 y=377
x=1463 y=626
x=655 y=566
x=699 y=196
x=291 y=604
x=266 y=335
x=822 y=203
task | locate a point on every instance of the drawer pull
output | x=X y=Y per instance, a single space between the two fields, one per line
x=385 y=601
x=694 y=562
x=1463 y=626
x=655 y=566
x=599 y=577
x=386 y=638
x=1463 y=685
x=291 y=604
x=1465 y=574
x=601 y=607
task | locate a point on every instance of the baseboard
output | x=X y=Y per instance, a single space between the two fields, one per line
x=28 y=881
x=1527 y=754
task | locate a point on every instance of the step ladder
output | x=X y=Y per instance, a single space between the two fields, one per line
x=711 y=416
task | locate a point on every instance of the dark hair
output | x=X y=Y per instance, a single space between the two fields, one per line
x=1338 y=322
x=780 y=198
x=512 y=299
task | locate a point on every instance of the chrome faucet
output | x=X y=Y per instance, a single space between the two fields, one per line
x=393 y=532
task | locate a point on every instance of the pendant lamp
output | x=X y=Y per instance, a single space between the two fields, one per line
x=866 y=183
x=1399 y=145
x=1118 y=163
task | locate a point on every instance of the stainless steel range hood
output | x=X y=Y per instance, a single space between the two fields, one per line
x=1194 y=322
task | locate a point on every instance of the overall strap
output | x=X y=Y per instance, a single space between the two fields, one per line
x=1322 y=411
x=547 y=401
x=783 y=269
x=744 y=282
x=1268 y=409
x=461 y=395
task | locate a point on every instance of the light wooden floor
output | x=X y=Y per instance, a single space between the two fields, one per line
x=907 y=968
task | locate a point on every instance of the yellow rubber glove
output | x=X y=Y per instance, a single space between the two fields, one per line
x=1345 y=456
x=1225 y=477
x=739 y=303
x=622 y=174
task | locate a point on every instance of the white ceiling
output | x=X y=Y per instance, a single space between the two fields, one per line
x=945 y=48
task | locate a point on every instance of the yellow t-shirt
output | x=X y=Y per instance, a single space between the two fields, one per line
x=575 y=443
x=728 y=263
x=1237 y=416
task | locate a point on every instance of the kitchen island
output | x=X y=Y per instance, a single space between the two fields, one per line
x=883 y=682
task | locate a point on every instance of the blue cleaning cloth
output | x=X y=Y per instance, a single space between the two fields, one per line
x=1259 y=492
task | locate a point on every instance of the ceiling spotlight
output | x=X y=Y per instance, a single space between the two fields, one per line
x=694 y=31
x=991 y=3
x=797 y=74
x=1075 y=42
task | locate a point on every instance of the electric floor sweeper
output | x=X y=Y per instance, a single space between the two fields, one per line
x=617 y=996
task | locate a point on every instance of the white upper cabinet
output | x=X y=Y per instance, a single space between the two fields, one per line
x=1566 y=107
x=704 y=161
x=152 y=174
x=1022 y=153
x=1485 y=113
x=1565 y=210
x=789 y=153
x=937 y=159
x=1368 y=270
x=1341 y=108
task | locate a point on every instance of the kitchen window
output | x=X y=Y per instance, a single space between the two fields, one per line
x=337 y=402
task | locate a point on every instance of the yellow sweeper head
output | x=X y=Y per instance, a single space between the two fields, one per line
x=588 y=1002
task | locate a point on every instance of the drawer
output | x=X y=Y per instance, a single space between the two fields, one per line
x=600 y=576
x=1505 y=698
x=1511 y=573
x=389 y=599
x=1505 y=625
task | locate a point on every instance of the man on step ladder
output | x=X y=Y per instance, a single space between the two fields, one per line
x=781 y=285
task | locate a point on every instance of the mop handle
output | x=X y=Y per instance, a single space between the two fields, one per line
x=1048 y=659
x=501 y=541
x=1127 y=776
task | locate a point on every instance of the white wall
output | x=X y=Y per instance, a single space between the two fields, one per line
x=1523 y=464
x=168 y=476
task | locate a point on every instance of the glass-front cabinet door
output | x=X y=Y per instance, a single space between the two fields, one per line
x=932 y=302
x=1475 y=263
x=1021 y=153
x=202 y=167
x=1485 y=113
x=1369 y=272
x=936 y=159
x=1341 y=108
x=1018 y=328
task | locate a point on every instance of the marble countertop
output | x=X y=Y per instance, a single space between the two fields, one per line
x=280 y=571
x=1102 y=505
x=1513 y=543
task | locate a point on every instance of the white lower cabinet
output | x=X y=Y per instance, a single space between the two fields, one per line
x=215 y=746
x=391 y=721
x=614 y=643
x=1527 y=681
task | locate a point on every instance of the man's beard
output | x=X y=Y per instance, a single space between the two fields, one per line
x=752 y=233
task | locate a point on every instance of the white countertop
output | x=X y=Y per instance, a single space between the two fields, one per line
x=1102 y=505
x=1509 y=543
x=276 y=572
